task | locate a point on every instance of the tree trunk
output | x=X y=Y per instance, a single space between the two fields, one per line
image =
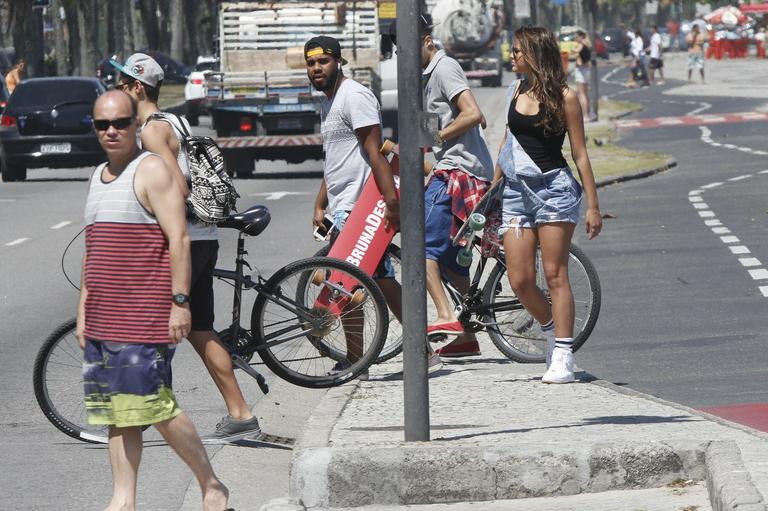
x=192 y=30
x=149 y=22
x=164 y=26
x=177 y=30
x=128 y=37
x=86 y=20
x=28 y=36
x=73 y=30
x=63 y=67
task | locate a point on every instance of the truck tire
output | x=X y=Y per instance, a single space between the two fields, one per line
x=193 y=113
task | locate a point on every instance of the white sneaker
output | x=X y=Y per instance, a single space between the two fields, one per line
x=561 y=368
x=550 y=347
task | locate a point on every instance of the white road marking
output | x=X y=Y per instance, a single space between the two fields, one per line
x=729 y=239
x=721 y=230
x=7 y=200
x=759 y=274
x=763 y=172
x=710 y=223
x=61 y=224
x=278 y=195
x=739 y=178
x=764 y=290
x=695 y=198
x=712 y=185
x=698 y=192
x=16 y=242
x=739 y=249
x=706 y=214
x=749 y=261
x=701 y=205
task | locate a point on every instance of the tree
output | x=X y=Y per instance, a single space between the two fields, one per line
x=177 y=30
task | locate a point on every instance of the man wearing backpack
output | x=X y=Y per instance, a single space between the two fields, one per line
x=161 y=133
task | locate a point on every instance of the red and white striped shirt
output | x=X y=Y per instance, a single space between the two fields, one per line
x=127 y=264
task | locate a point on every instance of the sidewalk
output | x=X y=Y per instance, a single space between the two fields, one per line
x=499 y=433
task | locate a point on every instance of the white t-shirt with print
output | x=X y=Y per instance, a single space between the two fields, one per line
x=346 y=165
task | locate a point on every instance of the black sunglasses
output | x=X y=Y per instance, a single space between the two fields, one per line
x=119 y=124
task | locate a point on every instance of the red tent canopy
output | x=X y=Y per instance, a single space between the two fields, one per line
x=755 y=8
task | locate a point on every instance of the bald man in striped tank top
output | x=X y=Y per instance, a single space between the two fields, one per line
x=133 y=304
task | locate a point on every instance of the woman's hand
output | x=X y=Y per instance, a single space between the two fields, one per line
x=594 y=221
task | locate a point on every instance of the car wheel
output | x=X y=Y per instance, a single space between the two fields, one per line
x=12 y=172
x=193 y=114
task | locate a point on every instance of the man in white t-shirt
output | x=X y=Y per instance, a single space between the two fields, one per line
x=637 y=51
x=141 y=78
x=350 y=121
x=656 y=63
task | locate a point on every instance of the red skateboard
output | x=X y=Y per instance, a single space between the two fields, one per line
x=364 y=239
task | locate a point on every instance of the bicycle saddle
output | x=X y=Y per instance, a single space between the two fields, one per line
x=252 y=221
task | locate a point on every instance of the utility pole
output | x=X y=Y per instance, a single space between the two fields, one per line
x=591 y=8
x=413 y=133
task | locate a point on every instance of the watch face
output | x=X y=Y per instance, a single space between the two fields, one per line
x=180 y=299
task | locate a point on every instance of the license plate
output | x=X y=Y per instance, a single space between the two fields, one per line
x=64 y=147
x=288 y=124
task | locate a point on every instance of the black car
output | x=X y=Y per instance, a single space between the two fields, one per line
x=48 y=123
x=175 y=71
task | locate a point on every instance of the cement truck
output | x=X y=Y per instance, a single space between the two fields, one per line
x=470 y=31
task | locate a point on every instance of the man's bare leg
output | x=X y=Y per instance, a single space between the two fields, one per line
x=445 y=313
x=462 y=283
x=125 y=447
x=219 y=364
x=393 y=294
x=182 y=436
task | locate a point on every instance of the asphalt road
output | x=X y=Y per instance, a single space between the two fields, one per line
x=681 y=318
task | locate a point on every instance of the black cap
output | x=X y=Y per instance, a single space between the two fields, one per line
x=425 y=27
x=324 y=44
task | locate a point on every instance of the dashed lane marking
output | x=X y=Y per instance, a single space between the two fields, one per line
x=61 y=224
x=740 y=249
x=16 y=242
x=750 y=261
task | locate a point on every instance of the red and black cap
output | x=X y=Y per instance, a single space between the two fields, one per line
x=324 y=45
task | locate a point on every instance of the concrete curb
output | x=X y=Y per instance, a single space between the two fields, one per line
x=640 y=174
x=728 y=483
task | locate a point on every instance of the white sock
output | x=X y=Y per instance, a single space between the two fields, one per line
x=565 y=343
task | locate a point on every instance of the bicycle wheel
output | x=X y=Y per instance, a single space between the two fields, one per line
x=296 y=338
x=58 y=383
x=514 y=331
x=394 y=342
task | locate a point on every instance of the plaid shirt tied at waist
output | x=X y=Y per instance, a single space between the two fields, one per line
x=466 y=191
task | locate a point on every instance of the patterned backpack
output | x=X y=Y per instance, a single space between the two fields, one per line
x=212 y=195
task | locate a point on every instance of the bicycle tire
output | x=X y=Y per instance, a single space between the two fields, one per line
x=529 y=346
x=316 y=352
x=64 y=407
x=393 y=345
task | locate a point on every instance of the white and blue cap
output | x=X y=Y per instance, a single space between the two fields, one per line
x=141 y=67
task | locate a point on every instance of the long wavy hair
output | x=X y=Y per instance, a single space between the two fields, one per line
x=548 y=80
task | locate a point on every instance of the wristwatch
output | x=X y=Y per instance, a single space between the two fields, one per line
x=180 y=299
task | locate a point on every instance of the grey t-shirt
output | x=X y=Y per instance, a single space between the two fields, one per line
x=346 y=165
x=444 y=80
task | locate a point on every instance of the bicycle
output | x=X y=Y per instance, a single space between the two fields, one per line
x=294 y=330
x=493 y=306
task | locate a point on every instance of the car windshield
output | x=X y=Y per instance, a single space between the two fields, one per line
x=51 y=93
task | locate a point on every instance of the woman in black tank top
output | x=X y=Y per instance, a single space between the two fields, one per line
x=541 y=197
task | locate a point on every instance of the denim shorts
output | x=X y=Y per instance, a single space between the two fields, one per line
x=384 y=270
x=555 y=196
x=438 y=222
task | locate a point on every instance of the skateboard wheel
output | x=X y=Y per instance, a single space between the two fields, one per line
x=387 y=147
x=476 y=221
x=464 y=257
x=318 y=277
x=358 y=297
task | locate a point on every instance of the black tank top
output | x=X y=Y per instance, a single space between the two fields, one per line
x=545 y=149
x=585 y=54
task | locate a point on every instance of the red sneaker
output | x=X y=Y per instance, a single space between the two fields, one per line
x=466 y=349
x=454 y=328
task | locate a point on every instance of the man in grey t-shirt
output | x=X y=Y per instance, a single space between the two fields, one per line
x=464 y=170
x=351 y=127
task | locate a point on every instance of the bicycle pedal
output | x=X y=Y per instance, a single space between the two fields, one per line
x=437 y=337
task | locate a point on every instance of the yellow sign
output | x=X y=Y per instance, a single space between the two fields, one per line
x=387 y=10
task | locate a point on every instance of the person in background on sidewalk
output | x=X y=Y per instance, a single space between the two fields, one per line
x=14 y=75
x=128 y=328
x=541 y=198
x=350 y=121
x=462 y=174
x=637 y=50
x=695 y=40
x=582 y=70
x=141 y=78
x=656 y=63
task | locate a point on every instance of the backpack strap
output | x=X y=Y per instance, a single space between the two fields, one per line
x=165 y=117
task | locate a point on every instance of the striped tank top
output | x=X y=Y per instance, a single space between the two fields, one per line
x=127 y=264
